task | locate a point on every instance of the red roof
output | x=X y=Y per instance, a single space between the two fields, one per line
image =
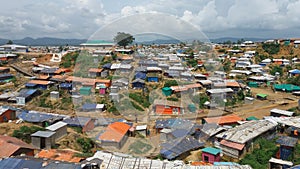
x=115 y=132
x=9 y=145
x=233 y=145
x=60 y=155
x=223 y=119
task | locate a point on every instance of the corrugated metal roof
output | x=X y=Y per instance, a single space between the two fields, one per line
x=56 y=126
x=45 y=134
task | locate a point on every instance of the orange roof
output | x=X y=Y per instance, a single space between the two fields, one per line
x=58 y=77
x=88 y=81
x=40 y=82
x=200 y=163
x=60 y=70
x=185 y=87
x=44 y=77
x=115 y=132
x=60 y=155
x=9 y=145
x=234 y=145
x=96 y=70
x=4 y=68
x=223 y=119
x=232 y=84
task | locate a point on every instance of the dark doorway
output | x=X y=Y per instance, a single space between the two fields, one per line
x=43 y=142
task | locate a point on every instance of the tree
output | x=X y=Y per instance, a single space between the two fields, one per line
x=123 y=39
x=9 y=42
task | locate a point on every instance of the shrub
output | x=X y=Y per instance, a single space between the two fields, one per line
x=24 y=132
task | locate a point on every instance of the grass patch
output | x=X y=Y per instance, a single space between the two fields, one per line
x=139 y=147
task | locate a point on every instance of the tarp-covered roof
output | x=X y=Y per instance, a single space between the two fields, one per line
x=287 y=141
x=176 y=147
x=286 y=87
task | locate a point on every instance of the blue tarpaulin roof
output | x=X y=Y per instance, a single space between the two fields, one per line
x=106 y=66
x=30 y=85
x=174 y=124
x=89 y=106
x=287 y=141
x=140 y=75
x=65 y=85
x=26 y=92
x=6 y=75
x=77 y=121
x=37 y=117
x=176 y=147
x=14 y=163
x=295 y=71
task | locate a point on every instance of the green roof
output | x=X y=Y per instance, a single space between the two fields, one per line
x=286 y=87
x=251 y=118
x=211 y=150
x=85 y=88
x=262 y=95
x=166 y=89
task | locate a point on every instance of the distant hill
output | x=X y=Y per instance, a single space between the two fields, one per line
x=224 y=39
x=160 y=41
x=45 y=41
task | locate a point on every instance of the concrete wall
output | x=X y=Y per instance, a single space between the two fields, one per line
x=60 y=133
x=36 y=142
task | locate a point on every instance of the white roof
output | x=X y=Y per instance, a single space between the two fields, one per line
x=176 y=68
x=115 y=66
x=248 y=131
x=99 y=106
x=154 y=69
x=283 y=112
x=56 y=126
x=279 y=161
x=54 y=92
x=125 y=66
x=216 y=91
x=141 y=127
x=2 y=110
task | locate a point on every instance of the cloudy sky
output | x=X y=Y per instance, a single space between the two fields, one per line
x=215 y=18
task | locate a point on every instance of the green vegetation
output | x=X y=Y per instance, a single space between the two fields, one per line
x=24 y=132
x=295 y=157
x=259 y=158
x=139 y=147
x=170 y=83
x=123 y=39
x=271 y=48
x=203 y=99
x=136 y=106
x=142 y=100
x=69 y=60
x=192 y=62
x=276 y=69
x=221 y=50
x=86 y=144
x=294 y=80
x=84 y=62
x=227 y=65
x=172 y=98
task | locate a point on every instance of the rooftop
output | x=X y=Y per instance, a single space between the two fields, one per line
x=44 y=134
x=247 y=131
x=56 y=126
x=211 y=150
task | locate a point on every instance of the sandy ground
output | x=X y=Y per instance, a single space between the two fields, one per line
x=261 y=108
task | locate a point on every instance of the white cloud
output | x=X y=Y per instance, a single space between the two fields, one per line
x=81 y=18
